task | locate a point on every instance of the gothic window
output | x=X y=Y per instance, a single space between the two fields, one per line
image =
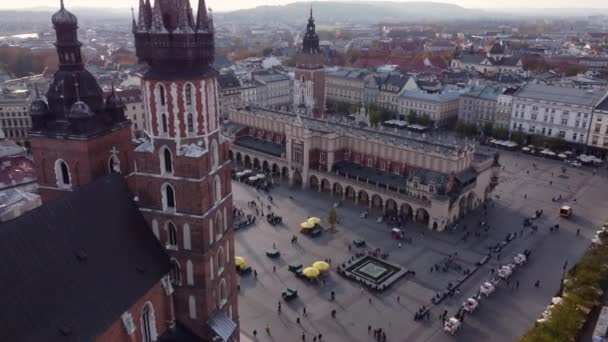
x=171 y=236
x=168 y=197
x=190 y=122
x=148 y=325
x=114 y=164
x=62 y=174
x=188 y=94
x=161 y=95
x=219 y=224
x=218 y=190
x=225 y=227
x=211 y=233
x=220 y=260
x=163 y=119
x=175 y=274
x=187 y=242
x=155 y=228
x=223 y=293
x=192 y=307
x=211 y=266
x=189 y=273
x=166 y=161
x=214 y=154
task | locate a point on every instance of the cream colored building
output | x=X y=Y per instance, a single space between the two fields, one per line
x=345 y=86
x=432 y=183
x=15 y=120
x=439 y=106
x=598 y=135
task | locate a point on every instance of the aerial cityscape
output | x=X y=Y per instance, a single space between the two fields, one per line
x=303 y=171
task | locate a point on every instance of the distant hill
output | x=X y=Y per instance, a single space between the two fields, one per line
x=354 y=12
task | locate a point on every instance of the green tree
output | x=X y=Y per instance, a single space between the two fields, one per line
x=500 y=133
x=425 y=120
x=377 y=115
x=411 y=117
x=488 y=129
x=332 y=217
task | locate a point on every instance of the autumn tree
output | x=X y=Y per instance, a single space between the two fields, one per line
x=332 y=217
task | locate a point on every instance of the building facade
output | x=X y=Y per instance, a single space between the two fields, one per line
x=309 y=79
x=430 y=183
x=276 y=88
x=504 y=108
x=560 y=112
x=134 y=109
x=230 y=93
x=480 y=106
x=495 y=61
x=439 y=107
x=184 y=158
x=599 y=127
x=345 y=86
x=176 y=176
x=15 y=121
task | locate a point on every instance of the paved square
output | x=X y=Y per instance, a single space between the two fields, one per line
x=503 y=316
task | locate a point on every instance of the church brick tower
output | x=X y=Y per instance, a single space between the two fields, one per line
x=309 y=80
x=77 y=135
x=182 y=173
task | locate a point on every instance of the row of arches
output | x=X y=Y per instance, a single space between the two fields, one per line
x=257 y=164
x=369 y=199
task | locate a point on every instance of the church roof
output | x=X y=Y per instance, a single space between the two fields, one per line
x=71 y=267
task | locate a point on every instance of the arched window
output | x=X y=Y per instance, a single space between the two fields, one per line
x=148 y=323
x=225 y=220
x=168 y=197
x=223 y=293
x=192 y=307
x=161 y=95
x=171 y=236
x=188 y=94
x=219 y=224
x=175 y=274
x=217 y=183
x=211 y=233
x=155 y=229
x=211 y=266
x=163 y=119
x=62 y=174
x=187 y=243
x=189 y=273
x=166 y=160
x=214 y=155
x=220 y=260
x=190 y=122
x=114 y=164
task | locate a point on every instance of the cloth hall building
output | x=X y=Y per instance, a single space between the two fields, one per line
x=433 y=183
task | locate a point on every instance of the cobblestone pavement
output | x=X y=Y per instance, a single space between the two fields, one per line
x=502 y=317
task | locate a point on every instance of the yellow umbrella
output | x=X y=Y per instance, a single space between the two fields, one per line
x=240 y=262
x=314 y=220
x=310 y=272
x=322 y=266
x=307 y=225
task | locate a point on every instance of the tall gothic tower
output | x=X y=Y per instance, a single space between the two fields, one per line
x=182 y=174
x=77 y=135
x=309 y=82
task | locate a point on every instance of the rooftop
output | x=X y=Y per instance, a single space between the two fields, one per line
x=568 y=95
x=261 y=145
x=56 y=282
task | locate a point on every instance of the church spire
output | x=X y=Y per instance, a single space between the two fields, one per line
x=141 y=22
x=202 y=18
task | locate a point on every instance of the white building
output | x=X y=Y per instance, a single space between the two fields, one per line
x=560 y=112
x=134 y=108
x=15 y=120
x=277 y=87
x=599 y=127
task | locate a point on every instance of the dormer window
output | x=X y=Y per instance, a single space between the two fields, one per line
x=62 y=174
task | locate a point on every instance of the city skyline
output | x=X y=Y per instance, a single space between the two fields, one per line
x=232 y=5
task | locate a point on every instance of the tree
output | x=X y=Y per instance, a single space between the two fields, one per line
x=267 y=52
x=411 y=117
x=377 y=115
x=488 y=129
x=501 y=133
x=425 y=120
x=332 y=217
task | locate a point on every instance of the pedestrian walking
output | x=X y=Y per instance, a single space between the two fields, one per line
x=255 y=273
x=578 y=232
x=255 y=333
x=314 y=339
x=298 y=320
x=398 y=299
x=304 y=311
x=320 y=337
x=537 y=284
x=303 y=336
x=274 y=245
x=517 y=284
x=274 y=269
x=369 y=328
x=268 y=329
x=279 y=307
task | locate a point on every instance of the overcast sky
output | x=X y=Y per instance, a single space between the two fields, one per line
x=226 y=5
